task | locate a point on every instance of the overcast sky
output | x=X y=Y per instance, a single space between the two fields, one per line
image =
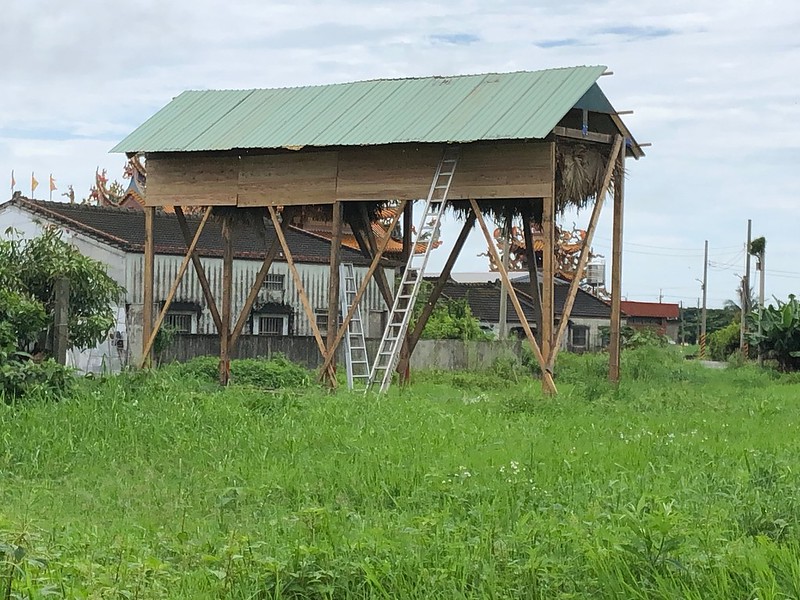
x=715 y=87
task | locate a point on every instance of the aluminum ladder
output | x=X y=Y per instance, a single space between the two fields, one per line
x=428 y=231
x=355 y=346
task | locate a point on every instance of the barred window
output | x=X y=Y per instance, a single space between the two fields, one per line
x=271 y=325
x=275 y=282
x=181 y=322
x=322 y=321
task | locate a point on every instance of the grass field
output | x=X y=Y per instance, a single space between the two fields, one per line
x=681 y=483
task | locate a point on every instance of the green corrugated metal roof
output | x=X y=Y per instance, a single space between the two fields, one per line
x=466 y=108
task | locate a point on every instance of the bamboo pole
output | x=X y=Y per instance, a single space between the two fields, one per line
x=298 y=282
x=171 y=295
x=198 y=267
x=614 y=346
x=566 y=312
x=361 y=289
x=547 y=378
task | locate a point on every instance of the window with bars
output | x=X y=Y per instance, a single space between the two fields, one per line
x=273 y=325
x=580 y=336
x=322 y=321
x=181 y=322
x=275 y=282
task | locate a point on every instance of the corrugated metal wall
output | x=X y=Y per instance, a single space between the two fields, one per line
x=314 y=278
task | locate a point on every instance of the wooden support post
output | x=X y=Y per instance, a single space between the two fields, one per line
x=149 y=275
x=533 y=268
x=408 y=227
x=333 y=280
x=548 y=384
x=198 y=267
x=360 y=292
x=61 y=320
x=227 y=298
x=372 y=248
x=441 y=281
x=298 y=283
x=566 y=312
x=271 y=252
x=614 y=345
x=171 y=295
x=548 y=260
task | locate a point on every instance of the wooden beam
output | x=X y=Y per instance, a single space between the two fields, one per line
x=298 y=282
x=149 y=272
x=372 y=244
x=547 y=377
x=271 y=252
x=440 y=283
x=591 y=136
x=408 y=226
x=533 y=269
x=333 y=279
x=548 y=261
x=362 y=288
x=614 y=346
x=227 y=297
x=171 y=295
x=198 y=267
x=583 y=260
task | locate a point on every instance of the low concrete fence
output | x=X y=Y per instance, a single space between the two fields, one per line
x=429 y=354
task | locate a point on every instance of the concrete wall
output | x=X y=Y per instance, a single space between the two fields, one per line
x=429 y=354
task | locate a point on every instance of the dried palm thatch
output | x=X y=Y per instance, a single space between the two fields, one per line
x=580 y=168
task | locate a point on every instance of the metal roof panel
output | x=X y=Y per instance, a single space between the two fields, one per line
x=463 y=108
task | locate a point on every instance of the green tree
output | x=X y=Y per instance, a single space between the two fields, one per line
x=450 y=319
x=28 y=272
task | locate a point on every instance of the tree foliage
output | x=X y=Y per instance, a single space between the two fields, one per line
x=450 y=320
x=779 y=335
x=29 y=269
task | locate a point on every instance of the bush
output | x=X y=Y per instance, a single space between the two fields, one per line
x=267 y=374
x=724 y=342
x=26 y=378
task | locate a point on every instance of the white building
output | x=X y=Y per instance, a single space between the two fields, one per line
x=115 y=237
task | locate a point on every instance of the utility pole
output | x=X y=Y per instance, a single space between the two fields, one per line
x=745 y=294
x=760 y=266
x=683 y=327
x=705 y=296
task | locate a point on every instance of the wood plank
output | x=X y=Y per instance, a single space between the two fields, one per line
x=533 y=268
x=171 y=295
x=485 y=171
x=374 y=265
x=583 y=260
x=288 y=179
x=547 y=377
x=199 y=270
x=548 y=266
x=298 y=283
x=192 y=180
x=333 y=279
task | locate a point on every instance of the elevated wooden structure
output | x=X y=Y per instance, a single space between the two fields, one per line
x=530 y=144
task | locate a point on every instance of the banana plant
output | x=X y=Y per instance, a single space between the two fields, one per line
x=779 y=335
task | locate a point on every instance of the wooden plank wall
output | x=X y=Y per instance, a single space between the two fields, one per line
x=402 y=171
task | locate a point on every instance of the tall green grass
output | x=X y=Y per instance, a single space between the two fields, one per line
x=679 y=483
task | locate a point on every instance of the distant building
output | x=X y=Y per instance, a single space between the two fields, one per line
x=589 y=314
x=660 y=317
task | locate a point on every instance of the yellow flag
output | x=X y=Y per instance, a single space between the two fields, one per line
x=52 y=183
x=34 y=183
